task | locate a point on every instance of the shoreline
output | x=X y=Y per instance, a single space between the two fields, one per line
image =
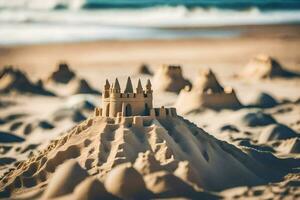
x=281 y=42
x=200 y=33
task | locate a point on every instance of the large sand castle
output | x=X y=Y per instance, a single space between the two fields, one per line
x=169 y=78
x=129 y=149
x=206 y=93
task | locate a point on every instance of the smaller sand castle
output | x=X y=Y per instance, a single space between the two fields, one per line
x=144 y=69
x=64 y=81
x=169 y=78
x=207 y=92
x=15 y=80
x=63 y=74
x=263 y=67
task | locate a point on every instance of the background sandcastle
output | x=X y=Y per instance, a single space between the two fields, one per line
x=14 y=80
x=265 y=67
x=119 y=144
x=65 y=81
x=206 y=93
x=169 y=78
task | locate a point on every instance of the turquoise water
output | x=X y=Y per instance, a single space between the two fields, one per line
x=135 y=4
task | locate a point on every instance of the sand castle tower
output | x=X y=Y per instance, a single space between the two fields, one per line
x=169 y=78
x=207 y=93
x=128 y=103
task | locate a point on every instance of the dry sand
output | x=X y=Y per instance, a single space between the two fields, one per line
x=250 y=153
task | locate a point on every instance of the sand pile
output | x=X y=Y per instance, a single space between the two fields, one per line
x=14 y=80
x=65 y=82
x=129 y=149
x=290 y=146
x=206 y=93
x=263 y=100
x=169 y=78
x=82 y=87
x=101 y=143
x=264 y=66
x=6 y=137
x=277 y=132
x=63 y=74
x=254 y=119
x=144 y=69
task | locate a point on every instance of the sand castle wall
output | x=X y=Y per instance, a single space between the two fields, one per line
x=220 y=100
x=138 y=121
x=128 y=104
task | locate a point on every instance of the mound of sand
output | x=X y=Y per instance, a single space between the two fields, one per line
x=82 y=87
x=276 y=132
x=63 y=74
x=65 y=82
x=290 y=146
x=169 y=78
x=143 y=69
x=65 y=179
x=126 y=182
x=6 y=137
x=263 y=100
x=206 y=93
x=14 y=80
x=92 y=189
x=264 y=66
x=259 y=118
x=101 y=143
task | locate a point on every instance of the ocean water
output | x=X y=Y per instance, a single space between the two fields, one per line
x=44 y=21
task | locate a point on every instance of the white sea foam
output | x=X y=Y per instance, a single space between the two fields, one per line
x=18 y=24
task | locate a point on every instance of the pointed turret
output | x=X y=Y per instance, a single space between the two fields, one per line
x=116 y=86
x=139 y=89
x=106 y=89
x=129 y=88
x=107 y=85
x=148 y=87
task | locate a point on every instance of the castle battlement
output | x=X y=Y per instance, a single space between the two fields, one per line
x=129 y=103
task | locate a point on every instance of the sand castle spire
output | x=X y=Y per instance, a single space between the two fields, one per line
x=106 y=89
x=116 y=86
x=107 y=85
x=128 y=88
x=139 y=88
x=148 y=86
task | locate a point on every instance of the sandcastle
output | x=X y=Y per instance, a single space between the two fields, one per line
x=265 y=67
x=170 y=154
x=169 y=78
x=129 y=103
x=64 y=81
x=206 y=93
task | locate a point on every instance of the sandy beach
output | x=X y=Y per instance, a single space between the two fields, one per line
x=60 y=126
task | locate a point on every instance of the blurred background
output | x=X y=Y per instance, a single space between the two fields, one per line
x=36 y=21
x=121 y=35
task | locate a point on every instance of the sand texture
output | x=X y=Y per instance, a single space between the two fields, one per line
x=72 y=131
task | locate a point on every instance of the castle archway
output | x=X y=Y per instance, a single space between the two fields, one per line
x=107 y=110
x=147 y=111
x=128 y=110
